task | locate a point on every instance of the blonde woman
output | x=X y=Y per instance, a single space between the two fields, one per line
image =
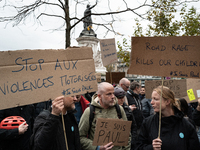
x=177 y=133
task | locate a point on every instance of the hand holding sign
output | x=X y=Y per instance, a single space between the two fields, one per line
x=107 y=146
x=57 y=105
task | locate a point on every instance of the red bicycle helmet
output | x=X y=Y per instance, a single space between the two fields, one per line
x=11 y=122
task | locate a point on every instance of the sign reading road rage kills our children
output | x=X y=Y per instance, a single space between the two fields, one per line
x=31 y=76
x=166 y=56
x=112 y=130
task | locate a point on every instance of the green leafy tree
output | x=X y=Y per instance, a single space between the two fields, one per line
x=190 y=23
x=124 y=52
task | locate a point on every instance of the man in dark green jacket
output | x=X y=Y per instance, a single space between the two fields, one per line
x=104 y=101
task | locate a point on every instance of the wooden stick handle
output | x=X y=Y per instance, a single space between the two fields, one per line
x=160 y=110
x=64 y=131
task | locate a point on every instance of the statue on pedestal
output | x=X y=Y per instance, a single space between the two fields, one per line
x=88 y=38
x=87 y=22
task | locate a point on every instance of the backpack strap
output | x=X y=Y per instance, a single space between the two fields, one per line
x=119 y=114
x=91 y=117
x=92 y=113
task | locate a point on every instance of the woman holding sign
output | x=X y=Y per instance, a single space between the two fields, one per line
x=176 y=132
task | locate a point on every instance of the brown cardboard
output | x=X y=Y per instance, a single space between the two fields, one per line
x=114 y=77
x=31 y=76
x=98 y=76
x=179 y=87
x=108 y=51
x=166 y=56
x=112 y=130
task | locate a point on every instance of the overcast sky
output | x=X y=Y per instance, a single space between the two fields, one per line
x=34 y=36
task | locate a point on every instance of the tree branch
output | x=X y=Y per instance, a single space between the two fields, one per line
x=50 y=15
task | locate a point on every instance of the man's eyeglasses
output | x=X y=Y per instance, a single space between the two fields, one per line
x=126 y=86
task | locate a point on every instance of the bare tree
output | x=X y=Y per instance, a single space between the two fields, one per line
x=39 y=9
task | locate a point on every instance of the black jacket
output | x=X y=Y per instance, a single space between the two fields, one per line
x=10 y=139
x=49 y=134
x=177 y=133
x=196 y=117
x=130 y=117
x=133 y=99
x=147 y=108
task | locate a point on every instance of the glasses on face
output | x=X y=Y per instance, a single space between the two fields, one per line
x=126 y=86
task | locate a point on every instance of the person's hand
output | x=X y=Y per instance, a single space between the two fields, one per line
x=198 y=107
x=132 y=107
x=156 y=143
x=107 y=146
x=199 y=102
x=23 y=128
x=57 y=105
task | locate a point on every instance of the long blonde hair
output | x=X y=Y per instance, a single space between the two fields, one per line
x=167 y=94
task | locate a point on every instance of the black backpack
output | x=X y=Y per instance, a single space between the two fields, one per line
x=92 y=113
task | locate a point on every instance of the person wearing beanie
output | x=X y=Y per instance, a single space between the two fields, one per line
x=120 y=95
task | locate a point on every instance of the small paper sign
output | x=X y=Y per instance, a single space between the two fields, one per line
x=198 y=93
x=191 y=95
x=108 y=51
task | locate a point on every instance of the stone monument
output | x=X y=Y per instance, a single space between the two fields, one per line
x=89 y=38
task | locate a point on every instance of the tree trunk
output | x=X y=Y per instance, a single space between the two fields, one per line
x=68 y=25
x=67 y=38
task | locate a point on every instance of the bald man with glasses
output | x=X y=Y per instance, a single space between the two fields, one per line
x=124 y=83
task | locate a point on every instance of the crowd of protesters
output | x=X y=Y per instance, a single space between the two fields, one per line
x=65 y=122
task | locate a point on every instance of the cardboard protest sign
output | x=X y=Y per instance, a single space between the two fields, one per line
x=98 y=76
x=114 y=77
x=108 y=51
x=184 y=88
x=112 y=130
x=31 y=76
x=166 y=56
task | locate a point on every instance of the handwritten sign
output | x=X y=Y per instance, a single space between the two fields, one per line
x=108 y=51
x=166 y=56
x=112 y=130
x=179 y=87
x=31 y=76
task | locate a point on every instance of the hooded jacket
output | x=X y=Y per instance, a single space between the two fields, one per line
x=177 y=133
x=100 y=112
